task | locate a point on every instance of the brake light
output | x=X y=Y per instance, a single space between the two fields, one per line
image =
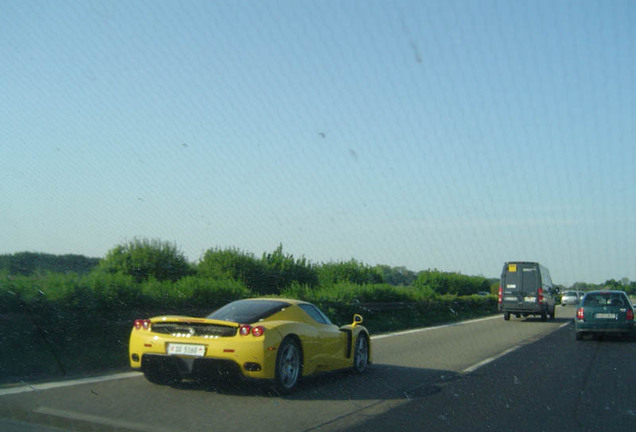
x=630 y=314
x=541 y=295
x=500 y=294
x=142 y=323
x=246 y=329
x=580 y=314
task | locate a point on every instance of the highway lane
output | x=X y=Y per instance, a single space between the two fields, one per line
x=411 y=366
x=554 y=384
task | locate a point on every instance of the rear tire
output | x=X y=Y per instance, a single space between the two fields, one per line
x=289 y=366
x=507 y=316
x=579 y=336
x=544 y=316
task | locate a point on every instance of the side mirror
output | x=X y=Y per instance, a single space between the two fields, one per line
x=357 y=319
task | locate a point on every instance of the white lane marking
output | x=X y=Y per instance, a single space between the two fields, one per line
x=489 y=360
x=481 y=363
x=424 y=329
x=52 y=385
x=114 y=423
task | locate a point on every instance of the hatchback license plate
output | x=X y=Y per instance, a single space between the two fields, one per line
x=186 y=349
x=605 y=315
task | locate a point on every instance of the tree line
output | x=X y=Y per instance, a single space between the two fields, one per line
x=144 y=260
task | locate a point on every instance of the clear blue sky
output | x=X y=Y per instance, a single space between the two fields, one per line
x=454 y=135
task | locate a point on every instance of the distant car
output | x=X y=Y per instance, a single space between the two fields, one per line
x=570 y=298
x=266 y=339
x=483 y=293
x=604 y=312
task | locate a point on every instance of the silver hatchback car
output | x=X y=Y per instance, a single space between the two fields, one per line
x=570 y=298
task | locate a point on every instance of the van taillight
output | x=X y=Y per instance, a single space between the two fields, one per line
x=500 y=295
x=630 y=314
x=580 y=314
x=541 y=295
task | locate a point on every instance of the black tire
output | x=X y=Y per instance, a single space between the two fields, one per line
x=507 y=316
x=544 y=316
x=289 y=366
x=361 y=354
x=579 y=335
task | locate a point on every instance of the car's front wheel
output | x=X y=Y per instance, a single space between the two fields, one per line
x=361 y=354
x=288 y=365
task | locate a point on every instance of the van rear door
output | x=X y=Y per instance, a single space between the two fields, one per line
x=522 y=281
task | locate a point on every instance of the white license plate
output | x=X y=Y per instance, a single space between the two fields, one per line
x=186 y=349
x=530 y=299
x=509 y=298
x=605 y=315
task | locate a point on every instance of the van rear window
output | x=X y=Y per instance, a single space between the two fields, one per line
x=530 y=278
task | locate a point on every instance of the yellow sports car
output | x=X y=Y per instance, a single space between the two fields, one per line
x=280 y=340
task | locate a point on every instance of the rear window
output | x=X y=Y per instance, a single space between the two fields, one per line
x=248 y=311
x=530 y=277
x=569 y=294
x=605 y=299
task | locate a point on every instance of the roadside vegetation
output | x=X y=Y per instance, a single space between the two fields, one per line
x=68 y=315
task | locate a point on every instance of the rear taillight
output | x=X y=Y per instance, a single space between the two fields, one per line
x=500 y=294
x=257 y=331
x=630 y=314
x=541 y=299
x=142 y=324
x=580 y=314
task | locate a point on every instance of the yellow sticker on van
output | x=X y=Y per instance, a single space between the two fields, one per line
x=512 y=267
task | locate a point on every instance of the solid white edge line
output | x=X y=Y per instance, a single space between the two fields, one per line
x=424 y=329
x=58 y=384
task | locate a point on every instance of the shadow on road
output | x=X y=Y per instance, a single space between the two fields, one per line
x=379 y=381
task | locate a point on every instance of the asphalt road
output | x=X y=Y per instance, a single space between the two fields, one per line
x=480 y=375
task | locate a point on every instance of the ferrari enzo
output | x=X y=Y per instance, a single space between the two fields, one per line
x=277 y=341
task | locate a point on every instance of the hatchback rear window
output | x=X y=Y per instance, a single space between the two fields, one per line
x=605 y=300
